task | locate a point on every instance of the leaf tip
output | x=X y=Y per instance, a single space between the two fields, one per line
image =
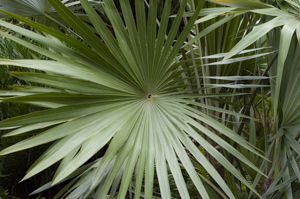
x=23 y=179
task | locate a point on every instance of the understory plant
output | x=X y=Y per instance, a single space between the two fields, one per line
x=125 y=92
x=160 y=98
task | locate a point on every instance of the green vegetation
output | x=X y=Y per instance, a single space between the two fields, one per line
x=150 y=98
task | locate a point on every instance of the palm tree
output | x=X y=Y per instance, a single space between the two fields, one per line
x=130 y=90
x=124 y=92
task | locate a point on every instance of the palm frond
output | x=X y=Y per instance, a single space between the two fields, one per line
x=113 y=92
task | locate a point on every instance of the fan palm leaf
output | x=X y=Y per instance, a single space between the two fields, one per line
x=287 y=18
x=117 y=91
x=41 y=10
x=282 y=28
x=286 y=128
